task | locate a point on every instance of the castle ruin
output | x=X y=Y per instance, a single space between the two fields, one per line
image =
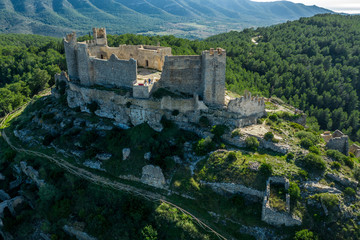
x=136 y=84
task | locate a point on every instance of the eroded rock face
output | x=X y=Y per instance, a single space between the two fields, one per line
x=147 y=156
x=153 y=175
x=126 y=153
x=104 y=156
x=346 y=182
x=78 y=234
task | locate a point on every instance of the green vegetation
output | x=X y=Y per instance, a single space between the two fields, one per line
x=294 y=191
x=313 y=162
x=305 y=235
x=28 y=64
x=252 y=143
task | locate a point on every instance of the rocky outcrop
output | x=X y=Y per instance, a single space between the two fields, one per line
x=12 y=205
x=276 y=147
x=232 y=188
x=77 y=234
x=147 y=156
x=126 y=153
x=103 y=156
x=153 y=175
x=4 y=196
x=32 y=174
x=316 y=187
x=341 y=179
x=93 y=164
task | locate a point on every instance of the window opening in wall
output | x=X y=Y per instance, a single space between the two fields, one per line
x=102 y=56
x=147 y=63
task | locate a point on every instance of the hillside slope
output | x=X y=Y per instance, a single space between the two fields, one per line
x=192 y=18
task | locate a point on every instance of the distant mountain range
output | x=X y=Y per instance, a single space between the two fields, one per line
x=186 y=18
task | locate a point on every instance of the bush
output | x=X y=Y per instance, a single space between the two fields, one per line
x=304 y=174
x=308 y=135
x=349 y=162
x=336 y=155
x=204 y=121
x=314 y=149
x=294 y=191
x=93 y=106
x=9 y=155
x=336 y=165
x=266 y=170
x=314 y=162
x=274 y=117
x=330 y=200
x=305 y=235
x=357 y=173
x=219 y=130
x=252 y=143
x=290 y=156
x=231 y=157
x=349 y=191
x=297 y=126
x=48 y=139
x=203 y=146
x=306 y=143
x=236 y=132
x=269 y=136
x=175 y=112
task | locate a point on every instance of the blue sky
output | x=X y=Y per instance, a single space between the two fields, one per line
x=345 y=6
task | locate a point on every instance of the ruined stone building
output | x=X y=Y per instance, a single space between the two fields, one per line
x=136 y=84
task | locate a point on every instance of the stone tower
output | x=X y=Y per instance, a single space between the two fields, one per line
x=213 y=76
x=99 y=35
x=70 y=44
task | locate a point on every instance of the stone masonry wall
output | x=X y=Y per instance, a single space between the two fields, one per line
x=213 y=76
x=114 y=72
x=183 y=74
x=247 y=105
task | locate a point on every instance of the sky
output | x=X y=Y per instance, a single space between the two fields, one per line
x=344 y=6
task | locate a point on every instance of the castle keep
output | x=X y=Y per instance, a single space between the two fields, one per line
x=136 y=84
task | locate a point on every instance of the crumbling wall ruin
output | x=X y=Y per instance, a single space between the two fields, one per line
x=273 y=217
x=338 y=141
x=247 y=105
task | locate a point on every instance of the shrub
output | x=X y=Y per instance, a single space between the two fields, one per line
x=349 y=191
x=305 y=235
x=290 y=156
x=294 y=191
x=203 y=146
x=297 y=126
x=269 y=136
x=219 y=130
x=93 y=106
x=48 y=139
x=304 y=174
x=231 y=156
x=330 y=200
x=349 y=162
x=357 y=173
x=236 y=132
x=314 y=149
x=352 y=155
x=175 y=112
x=306 y=143
x=266 y=170
x=336 y=165
x=336 y=155
x=274 y=117
x=252 y=143
x=48 y=116
x=204 y=121
x=314 y=162
x=9 y=155
x=308 y=135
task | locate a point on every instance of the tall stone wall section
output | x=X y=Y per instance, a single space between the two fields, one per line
x=213 y=76
x=182 y=74
x=70 y=43
x=247 y=105
x=114 y=72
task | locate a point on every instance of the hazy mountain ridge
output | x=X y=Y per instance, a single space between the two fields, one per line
x=201 y=18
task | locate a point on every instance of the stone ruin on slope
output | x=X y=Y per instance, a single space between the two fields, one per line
x=137 y=84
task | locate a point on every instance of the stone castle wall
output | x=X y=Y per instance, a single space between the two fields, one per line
x=183 y=74
x=213 y=75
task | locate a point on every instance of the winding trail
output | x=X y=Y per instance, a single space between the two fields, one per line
x=102 y=181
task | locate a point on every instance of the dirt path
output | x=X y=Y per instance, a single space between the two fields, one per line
x=102 y=181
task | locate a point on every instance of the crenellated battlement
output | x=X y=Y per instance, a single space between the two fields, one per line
x=71 y=37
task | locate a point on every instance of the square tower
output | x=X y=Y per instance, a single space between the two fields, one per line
x=99 y=35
